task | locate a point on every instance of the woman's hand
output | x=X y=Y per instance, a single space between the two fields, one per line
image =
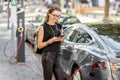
x=55 y=39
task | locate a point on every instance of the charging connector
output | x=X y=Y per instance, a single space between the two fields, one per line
x=20 y=29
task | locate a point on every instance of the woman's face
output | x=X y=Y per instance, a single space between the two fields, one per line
x=54 y=16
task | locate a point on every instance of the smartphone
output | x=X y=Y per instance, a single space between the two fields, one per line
x=62 y=36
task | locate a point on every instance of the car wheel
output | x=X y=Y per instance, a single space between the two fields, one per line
x=35 y=48
x=77 y=75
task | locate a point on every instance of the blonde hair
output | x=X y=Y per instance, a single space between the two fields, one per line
x=52 y=8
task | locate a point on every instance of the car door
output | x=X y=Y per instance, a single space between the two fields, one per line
x=67 y=49
x=73 y=37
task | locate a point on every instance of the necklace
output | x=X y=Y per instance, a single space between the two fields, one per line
x=55 y=33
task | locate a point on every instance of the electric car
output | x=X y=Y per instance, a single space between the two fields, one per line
x=91 y=52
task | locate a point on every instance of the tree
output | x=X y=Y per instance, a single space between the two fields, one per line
x=106 y=10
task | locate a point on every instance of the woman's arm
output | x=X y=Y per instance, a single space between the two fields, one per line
x=42 y=44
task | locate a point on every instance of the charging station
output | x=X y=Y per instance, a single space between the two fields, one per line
x=20 y=36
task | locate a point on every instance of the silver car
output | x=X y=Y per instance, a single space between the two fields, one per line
x=32 y=28
x=91 y=53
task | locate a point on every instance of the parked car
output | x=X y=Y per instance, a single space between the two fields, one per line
x=34 y=24
x=32 y=28
x=91 y=52
x=68 y=19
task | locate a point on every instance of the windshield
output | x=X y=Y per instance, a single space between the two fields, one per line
x=111 y=42
x=110 y=33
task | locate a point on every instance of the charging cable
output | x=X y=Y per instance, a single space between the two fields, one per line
x=92 y=65
x=12 y=59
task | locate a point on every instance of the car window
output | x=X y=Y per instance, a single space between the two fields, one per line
x=80 y=36
x=68 y=32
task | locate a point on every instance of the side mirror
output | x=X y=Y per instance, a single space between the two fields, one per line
x=91 y=42
x=31 y=21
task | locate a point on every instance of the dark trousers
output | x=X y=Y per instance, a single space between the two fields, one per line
x=51 y=64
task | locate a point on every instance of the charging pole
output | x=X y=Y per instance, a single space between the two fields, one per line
x=13 y=23
x=20 y=36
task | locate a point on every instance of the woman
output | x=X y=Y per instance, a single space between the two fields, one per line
x=50 y=39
